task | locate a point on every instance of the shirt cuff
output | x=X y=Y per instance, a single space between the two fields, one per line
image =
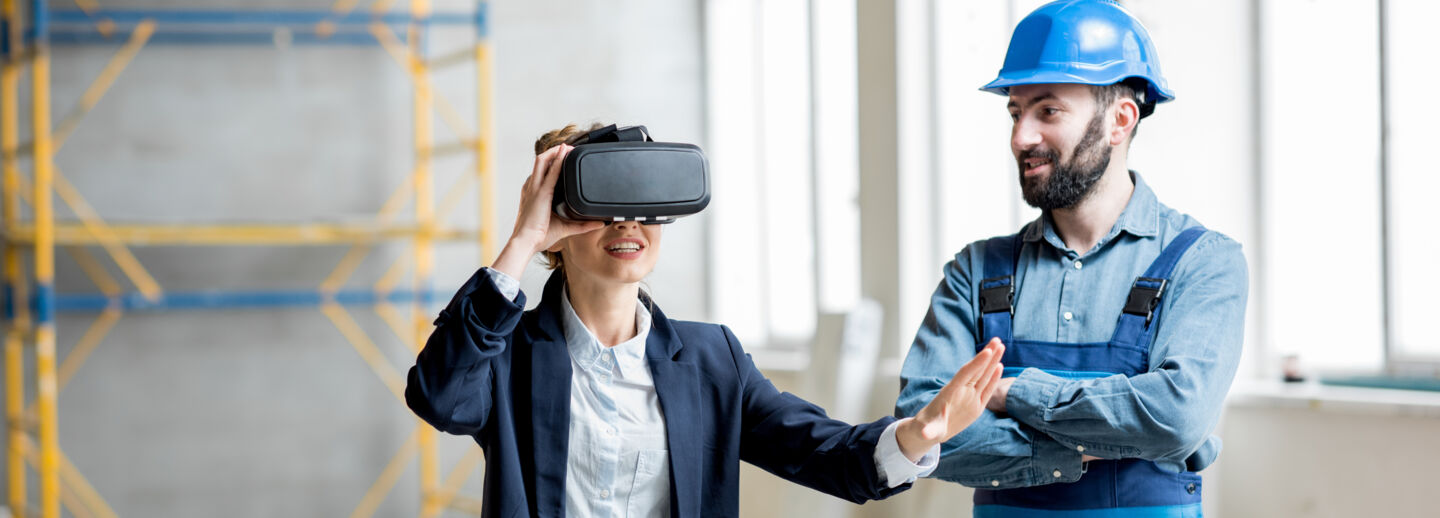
x=1031 y=395
x=1053 y=462
x=508 y=286
x=892 y=465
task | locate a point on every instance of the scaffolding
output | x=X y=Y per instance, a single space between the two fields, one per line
x=30 y=301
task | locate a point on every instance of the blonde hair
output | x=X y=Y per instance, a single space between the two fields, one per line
x=566 y=135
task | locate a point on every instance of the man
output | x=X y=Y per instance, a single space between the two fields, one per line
x=1098 y=415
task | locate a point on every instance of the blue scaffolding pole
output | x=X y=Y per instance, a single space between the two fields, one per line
x=234 y=27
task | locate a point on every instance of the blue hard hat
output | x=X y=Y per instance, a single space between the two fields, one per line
x=1093 y=42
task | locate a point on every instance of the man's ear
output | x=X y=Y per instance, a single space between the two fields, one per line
x=1124 y=117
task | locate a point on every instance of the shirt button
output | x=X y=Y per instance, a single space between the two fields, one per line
x=1190 y=489
x=994 y=483
x=604 y=493
x=1068 y=315
x=610 y=432
x=1079 y=265
x=1056 y=473
x=1080 y=449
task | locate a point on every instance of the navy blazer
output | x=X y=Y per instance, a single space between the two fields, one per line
x=502 y=375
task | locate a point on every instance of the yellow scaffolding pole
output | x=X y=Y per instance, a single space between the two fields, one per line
x=453 y=195
x=357 y=253
x=434 y=497
x=82 y=499
x=388 y=476
x=95 y=230
x=484 y=159
x=100 y=231
x=71 y=501
x=105 y=26
x=97 y=274
x=457 y=477
x=98 y=329
x=341 y=8
x=387 y=311
x=424 y=216
x=413 y=63
x=467 y=505
x=381 y=6
x=44 y=250
x=17 y=324
x=83 y=490
x=97 y=89
x=397 y=324
x=449 y=59
x=102 y=324
x=362 y=344
x=86 y=345
x=99 y=86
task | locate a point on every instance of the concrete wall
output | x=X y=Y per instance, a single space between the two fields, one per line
x=271 y=413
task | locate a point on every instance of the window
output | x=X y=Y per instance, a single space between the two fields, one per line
x=1410 y=177
x=781 y=81
x=1350 y=275
x=1320 y=256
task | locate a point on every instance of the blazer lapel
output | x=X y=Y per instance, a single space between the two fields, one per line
x=550 y=374
x=677 y=384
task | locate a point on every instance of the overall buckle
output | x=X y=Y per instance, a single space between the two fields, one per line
x=1144 y=296
x=1001 y=297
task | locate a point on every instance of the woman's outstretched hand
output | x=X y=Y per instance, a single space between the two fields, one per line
x=537 y=228
x=957 y=405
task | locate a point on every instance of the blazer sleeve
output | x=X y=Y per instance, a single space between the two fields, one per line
x=795 y=440
x=451 y=385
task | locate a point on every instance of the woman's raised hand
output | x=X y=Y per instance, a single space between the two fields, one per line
x=957 y=405
x=537 y=228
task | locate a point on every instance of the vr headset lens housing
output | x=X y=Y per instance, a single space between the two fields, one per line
x=608 y=179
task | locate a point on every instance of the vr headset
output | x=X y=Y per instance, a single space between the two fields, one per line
x=621 y=174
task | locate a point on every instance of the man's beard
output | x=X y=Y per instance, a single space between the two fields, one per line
x=1068 y=184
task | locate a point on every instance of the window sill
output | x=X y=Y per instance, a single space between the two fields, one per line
x=1327 y=398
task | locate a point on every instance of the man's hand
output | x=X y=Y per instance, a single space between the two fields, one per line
x=997 y=400
x=957 y=405
x=997 y=405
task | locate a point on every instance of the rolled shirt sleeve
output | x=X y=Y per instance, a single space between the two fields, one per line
x=994 y=451
x=508 y=286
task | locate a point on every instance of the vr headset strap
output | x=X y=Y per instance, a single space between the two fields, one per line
x=612 y=133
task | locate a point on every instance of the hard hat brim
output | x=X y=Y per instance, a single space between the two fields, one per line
x=1001 y=85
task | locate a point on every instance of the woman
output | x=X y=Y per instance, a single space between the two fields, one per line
x=596 y=404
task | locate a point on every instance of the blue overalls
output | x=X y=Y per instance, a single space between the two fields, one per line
x=1128 y=488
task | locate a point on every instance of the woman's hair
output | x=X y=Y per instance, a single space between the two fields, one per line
x=566 y=135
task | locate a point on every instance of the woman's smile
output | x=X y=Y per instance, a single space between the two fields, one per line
x=625 y=248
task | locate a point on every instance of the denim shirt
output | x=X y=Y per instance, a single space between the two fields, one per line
x=1164 y=415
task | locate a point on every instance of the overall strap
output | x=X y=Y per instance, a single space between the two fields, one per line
x=1143 y=303
x=997 y=289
